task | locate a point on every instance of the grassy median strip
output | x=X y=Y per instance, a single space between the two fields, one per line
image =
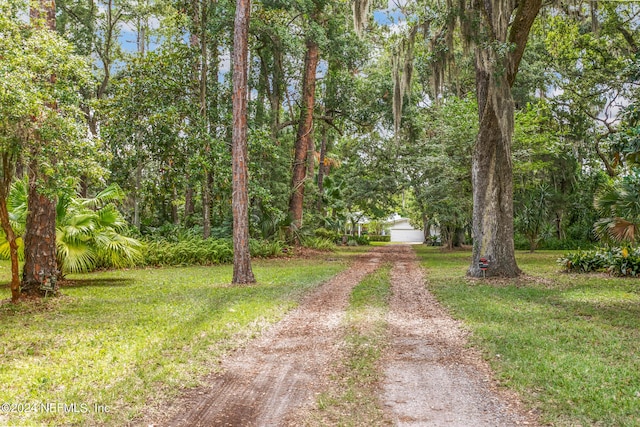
x=568 y=343
x=352 y=398
x=120 y=341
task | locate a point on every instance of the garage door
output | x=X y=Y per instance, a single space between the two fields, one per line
x=400 y=235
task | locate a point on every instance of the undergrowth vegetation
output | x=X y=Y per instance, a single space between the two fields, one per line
x=617 y=261
x=199 y=251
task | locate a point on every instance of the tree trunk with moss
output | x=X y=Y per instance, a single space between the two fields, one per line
x=499 y=46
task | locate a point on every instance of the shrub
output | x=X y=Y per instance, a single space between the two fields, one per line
x=618 y=261
x=553 y=243
x=267 y=248
x=361 y=240
x=378 y=238
x=584 y=261
x=191 y=251
x=327 y=234
x=199 y=251
x=320 y=243
x=624 y=262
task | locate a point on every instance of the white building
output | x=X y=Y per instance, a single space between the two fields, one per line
x=402 y=231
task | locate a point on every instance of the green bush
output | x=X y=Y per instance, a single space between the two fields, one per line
x=520 y=242
x=361 y=240
x=618 y=261
x=584 y=261
x=552 y=243
x=624 y=262
x=267 y=248
x=378 y=238
x=191 y=251
x=199 y=251
x=320 y=243
x=327 y=234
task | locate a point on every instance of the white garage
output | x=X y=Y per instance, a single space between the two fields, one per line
x=402 y=231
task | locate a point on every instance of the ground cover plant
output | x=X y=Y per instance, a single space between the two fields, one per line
x=568 y=343
x=617 y=261
x=124 y=340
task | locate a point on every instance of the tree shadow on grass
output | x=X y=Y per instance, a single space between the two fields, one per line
x=94 y=283
x=84 y=283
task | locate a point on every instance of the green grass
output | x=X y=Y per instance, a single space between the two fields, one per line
x=129 y=339
x=569 y=343
x=352 y=399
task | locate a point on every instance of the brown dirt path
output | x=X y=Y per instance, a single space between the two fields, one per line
x=280 y=372
x=432 y=377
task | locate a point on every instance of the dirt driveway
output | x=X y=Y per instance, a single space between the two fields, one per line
x=431 y=377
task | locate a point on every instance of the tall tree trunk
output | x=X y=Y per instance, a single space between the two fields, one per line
x=304 y=135
x=492 y=171
x=40 y=263
x=322 y=170
x=5 y=187
x=242 y=272
x=175 y=218
x=311 y=159
x=188 y=202
x=275 y=97
x=200 y=73
x=206 y=205
x=137 y=192
x=492 y=178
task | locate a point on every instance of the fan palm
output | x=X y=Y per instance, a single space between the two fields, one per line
x=619 y=206
x=89 y=231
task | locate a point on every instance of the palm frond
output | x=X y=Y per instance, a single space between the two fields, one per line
x=117 y=249
x=5 y=249
x=17 y=205
x=617 y=229
x=75 y=257
x=78 y=227
x=113 y=193
x=110 y=216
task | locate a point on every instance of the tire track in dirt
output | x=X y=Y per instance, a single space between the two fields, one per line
x=432 y=377
x=282 y=371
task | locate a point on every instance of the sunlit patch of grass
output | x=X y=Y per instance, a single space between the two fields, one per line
x=568 y=343
x=352 y=399
x=127 y=339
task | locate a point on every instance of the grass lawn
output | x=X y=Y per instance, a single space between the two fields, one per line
x=569 y=343
x=119 y=341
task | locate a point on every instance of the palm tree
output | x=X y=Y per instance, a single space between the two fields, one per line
x=89 y=231
x=619 y=206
